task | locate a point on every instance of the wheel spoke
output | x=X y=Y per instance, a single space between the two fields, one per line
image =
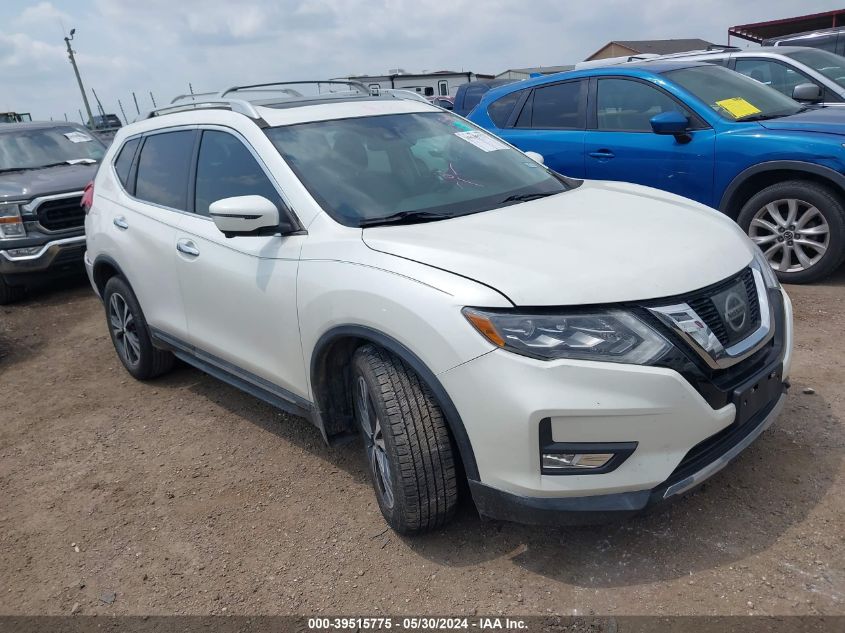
x=383 y=474
x=764 y=224
x=802 y=257
x=786 y=258
x=775 y=214
x=115 y=323
x=791 y=211
x=134 y=345
x=810 y=214
x=822 y=229
x=763 y=239
x=820 y=248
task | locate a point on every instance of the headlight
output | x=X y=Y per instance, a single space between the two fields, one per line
x=11 y=225
x=762 y=264
x=611 y=336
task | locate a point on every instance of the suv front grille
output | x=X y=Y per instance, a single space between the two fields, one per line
x=704 y=306
x=61 y=214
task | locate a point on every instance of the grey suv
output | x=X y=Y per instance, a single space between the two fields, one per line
x=44 y=168
x=792 y=70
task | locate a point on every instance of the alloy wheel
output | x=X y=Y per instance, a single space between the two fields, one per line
x=123 y=326
x=793 y=234
x=374 y=446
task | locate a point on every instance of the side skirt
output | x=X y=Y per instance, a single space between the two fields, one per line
x=233 y=375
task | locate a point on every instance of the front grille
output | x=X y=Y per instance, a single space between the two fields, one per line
x=702 y=303
x=61 y=214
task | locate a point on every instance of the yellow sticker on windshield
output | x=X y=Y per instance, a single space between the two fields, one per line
x=738 y=107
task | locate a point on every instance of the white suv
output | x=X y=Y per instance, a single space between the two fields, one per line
x=575 y=350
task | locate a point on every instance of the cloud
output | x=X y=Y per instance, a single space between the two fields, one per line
x=162 y=45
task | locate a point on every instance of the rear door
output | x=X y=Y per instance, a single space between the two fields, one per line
x=240 y=292
x=144 y=225
x=551 y=121
x=620 y=144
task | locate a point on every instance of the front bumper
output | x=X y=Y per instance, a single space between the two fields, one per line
x=682 y=433
x=595 y=509
x=53 y=258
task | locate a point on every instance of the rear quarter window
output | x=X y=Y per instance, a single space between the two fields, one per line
x=123 y=162
x=164 y=167
x=500 y=110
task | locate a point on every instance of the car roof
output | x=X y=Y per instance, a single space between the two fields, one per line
x=283 y=113
x=35 y=125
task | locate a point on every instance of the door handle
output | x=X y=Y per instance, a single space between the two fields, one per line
x=187 y=247
x=602 y=153
x=120 y=222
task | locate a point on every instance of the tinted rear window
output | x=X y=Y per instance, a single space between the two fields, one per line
x=558 y=106
x=163 y=169
x=500 y=110
x=124 y=160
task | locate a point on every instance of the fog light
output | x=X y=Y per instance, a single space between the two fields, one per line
x=23 y=252
x=576 y=460
x=579 y=458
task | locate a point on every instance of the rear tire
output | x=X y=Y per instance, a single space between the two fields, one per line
x=10 y=294
x=130 y=334
x=800 y=226
x=406 y=442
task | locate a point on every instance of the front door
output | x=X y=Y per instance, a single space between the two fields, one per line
x=622 y=146
x=240 y=292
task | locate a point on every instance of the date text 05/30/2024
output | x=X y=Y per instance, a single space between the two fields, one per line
x=412 y=623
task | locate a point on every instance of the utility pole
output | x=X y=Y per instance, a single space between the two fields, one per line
x=99 y=105
x=123 y=112
x=153 y=99
x=78 y=78
x=137 y=109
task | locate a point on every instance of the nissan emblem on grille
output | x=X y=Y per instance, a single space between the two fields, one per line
x=736 y=311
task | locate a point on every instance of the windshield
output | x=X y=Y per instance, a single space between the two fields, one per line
x=433 y=164
x=39 y=147
x=733 y=96
x=830 y=65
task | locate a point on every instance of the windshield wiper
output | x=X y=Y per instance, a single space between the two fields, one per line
x=525 y=197
x=405 y=217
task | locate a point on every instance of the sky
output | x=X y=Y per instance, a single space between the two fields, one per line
x=161 y=46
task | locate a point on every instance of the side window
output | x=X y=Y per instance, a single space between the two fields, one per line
x=473 y=95
x=443 y=88
x=779 y=76
x=163 y=169
x=124 y=160
x=500 y=110
x=225 y=169
x=627 y=106
x=559 y=106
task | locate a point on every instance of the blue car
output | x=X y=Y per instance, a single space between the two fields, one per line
x=698 y=130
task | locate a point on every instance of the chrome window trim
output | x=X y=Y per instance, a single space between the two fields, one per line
x=199 y=127
x=713 y=352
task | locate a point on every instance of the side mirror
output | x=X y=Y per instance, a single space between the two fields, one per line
x=672 y=122
x=537 y=158
x=245 y=215
x=810 y=93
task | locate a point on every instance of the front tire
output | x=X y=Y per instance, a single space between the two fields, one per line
x=800 y=227
x=130 y=334
x=406 y=442
x=10 y=294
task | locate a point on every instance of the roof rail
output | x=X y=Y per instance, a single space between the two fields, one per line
x=269 y=87
x=193 y=96
x=723 y=47
x=235 y=105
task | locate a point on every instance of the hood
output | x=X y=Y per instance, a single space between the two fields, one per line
x=602 y=242
x=26 y=185
x=825 y=120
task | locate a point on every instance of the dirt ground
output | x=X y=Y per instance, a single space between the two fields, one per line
x=185 y=496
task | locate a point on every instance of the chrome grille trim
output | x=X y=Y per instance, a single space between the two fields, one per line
x=695 y=332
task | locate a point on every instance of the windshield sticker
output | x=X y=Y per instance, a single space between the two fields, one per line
x=482 y=141
x=78 y=137
x=738 y=107
x=461 y=125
